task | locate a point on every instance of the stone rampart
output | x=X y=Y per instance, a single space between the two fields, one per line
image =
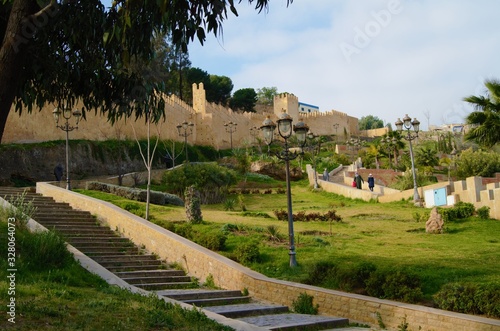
x=208 y=119
x=201 y=262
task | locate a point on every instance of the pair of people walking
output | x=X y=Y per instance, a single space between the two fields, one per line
x=358 y=180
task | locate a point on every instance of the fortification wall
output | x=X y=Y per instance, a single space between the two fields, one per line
x=208 y=119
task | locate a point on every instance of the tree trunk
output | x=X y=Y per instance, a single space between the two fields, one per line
x=12 y=54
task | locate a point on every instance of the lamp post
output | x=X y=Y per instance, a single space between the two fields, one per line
x=254 y=132
x=407 y=125
x=185 y=129
x=285 y=131
x=315 y=151
x=230 y=128
x=336 y=126
x=67 y=114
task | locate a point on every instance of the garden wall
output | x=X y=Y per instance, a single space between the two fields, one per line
x=201 y=262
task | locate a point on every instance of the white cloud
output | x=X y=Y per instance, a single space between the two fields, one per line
x=425 y=57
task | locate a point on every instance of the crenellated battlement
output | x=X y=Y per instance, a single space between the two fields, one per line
x=208 y=119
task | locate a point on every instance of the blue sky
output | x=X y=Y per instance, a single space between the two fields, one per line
x=367 y=57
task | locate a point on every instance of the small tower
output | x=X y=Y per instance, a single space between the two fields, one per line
x=288 y=102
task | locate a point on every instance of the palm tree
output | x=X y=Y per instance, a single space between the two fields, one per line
x=486 y=117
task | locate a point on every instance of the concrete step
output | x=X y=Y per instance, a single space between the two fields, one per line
x=56 y=217
x=218 y=301
x=82 y=233
x=114 y=241
x=150 y=273
x=251 y=309
x=125 y=258
x=62 y=213
x=70 y=223
x=200 y=294
x=296 y=322
x=121 y=268
x=107 y=250
x=156 y=280
x=167 y=285
x=130 y=265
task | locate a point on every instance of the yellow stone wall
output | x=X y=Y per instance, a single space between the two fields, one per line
x=208 y=119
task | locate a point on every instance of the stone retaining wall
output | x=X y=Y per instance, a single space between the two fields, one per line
x=201 y=262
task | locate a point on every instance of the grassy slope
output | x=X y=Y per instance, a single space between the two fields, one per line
x=54 y=295
x=384 y=234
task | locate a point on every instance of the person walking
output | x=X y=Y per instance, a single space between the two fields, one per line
x=326 y=175
x=371 y=182
x=359 y=180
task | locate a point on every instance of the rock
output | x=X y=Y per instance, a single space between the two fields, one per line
x=435 y=222
x=276 y=170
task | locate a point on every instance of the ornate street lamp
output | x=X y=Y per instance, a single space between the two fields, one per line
x=407 y=125
x=67 y=113
x=254 y=132
x=285 y=131
x=336 y=126
x=230 y=128
x=185 y=129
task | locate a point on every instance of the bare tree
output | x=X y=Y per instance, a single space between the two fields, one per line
x=148 y=158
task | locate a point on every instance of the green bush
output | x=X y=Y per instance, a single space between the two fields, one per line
x=214 y=241
x=319 y=272
x=461 y=210
x=470 y=298
x=184 y=230
x=158 y=198
x=247 y=252
x=210 y=179
x=304 y=305
x=483 y=213
x=44 y=250
x=394 y=284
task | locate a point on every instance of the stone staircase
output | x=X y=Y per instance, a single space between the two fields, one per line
x=143 y=270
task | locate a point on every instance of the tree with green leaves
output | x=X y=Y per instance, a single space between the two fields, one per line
x=370 y=122
x=266 y=95
x=219 y=89
x=244 y=99
x=64 y=51
x=485 y=120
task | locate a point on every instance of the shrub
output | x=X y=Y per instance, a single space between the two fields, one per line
x=273 y=233
x=158 y=198
x=461 y=210
x=43 y=250
x=483 y=213
x=214 y=241
x=210 y=179
x=228 y=227
x=229 y=204
x=304 y=305
x=184 y=230
x=21 y=209
x=394 y=284
x=470 y=298
x=247 y=252
x=319 y=272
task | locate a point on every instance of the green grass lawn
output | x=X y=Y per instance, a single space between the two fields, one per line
x=51 y=291
x=388 y=235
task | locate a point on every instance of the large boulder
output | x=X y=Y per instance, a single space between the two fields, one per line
x=435 y=222
x=275 y=170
